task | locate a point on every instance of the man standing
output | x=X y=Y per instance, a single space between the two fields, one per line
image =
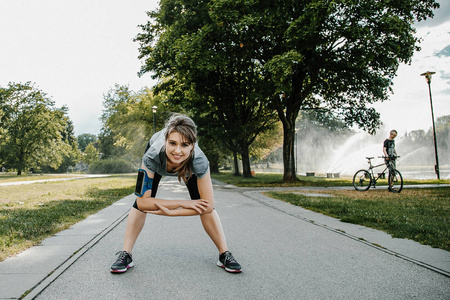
x=389 y=148
x=390 y=153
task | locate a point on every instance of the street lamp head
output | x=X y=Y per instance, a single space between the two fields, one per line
x=428 y=75
x=154 y=109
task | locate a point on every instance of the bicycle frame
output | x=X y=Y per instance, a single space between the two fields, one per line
x=364 y=179
x=371 y=167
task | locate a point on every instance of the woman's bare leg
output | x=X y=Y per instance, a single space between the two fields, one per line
x=213 y=227
x=135 y=223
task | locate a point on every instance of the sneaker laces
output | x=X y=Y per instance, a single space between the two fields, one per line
x=122 y=256
x=229 y=257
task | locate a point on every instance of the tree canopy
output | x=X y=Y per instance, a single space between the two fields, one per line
x=340 y=56
x=34 y=133
x=286 y=55
x=128 y=121
x=209 y=72
x=85 y=139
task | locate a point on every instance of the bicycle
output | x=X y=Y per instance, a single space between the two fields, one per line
x=364 y=179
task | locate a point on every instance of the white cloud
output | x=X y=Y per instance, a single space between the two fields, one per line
x=410 y=108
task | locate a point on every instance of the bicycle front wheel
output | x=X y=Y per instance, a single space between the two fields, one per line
x=362 y=180
x=395 y=181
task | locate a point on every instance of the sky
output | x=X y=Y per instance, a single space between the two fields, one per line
x=77 y=50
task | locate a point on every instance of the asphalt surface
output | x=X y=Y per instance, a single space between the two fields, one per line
x=286 y=253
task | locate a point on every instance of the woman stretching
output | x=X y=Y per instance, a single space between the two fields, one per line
x=173 y=151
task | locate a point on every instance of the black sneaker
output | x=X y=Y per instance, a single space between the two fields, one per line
x=123 y=262
x=227 y=261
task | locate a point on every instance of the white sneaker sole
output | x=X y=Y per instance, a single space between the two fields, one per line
x=219 y=264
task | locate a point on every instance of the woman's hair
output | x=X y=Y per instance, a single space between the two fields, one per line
x=188 y=130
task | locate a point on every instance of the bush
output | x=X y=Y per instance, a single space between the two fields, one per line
x=111 y=166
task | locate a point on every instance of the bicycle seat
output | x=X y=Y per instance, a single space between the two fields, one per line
x=369 y=158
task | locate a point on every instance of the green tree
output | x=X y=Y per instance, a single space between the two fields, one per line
x=90 y=155
x=267 y=142
x=32 y=134
x=337 y=55
x=106 y=144
x=331 y=55
x=213 y=75
x=85 y=139
x=3 y=132
x=71 y=154
x=128 y=121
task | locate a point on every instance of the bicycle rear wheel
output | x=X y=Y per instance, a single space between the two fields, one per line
x=395 y=181
x=362 y=180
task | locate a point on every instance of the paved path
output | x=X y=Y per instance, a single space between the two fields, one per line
x=286 y=252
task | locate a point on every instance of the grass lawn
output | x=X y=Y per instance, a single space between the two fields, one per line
x=421 y=215
x=30 y=213
x=418 y=214
x=276 y=180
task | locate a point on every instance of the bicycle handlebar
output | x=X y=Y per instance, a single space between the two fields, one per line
x=390 y=157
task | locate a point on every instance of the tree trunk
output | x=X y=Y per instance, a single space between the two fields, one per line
x=21 y=158
x=289 y=174
x=288 y=117
x=288 y=109
x=246 y=170
x=214 y=167
x=236 y=164
x=213 y=162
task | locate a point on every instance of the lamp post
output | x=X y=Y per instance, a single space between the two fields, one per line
x=428 y=79
x=154 y=107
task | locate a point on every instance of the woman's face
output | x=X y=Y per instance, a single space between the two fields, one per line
x=178 y=149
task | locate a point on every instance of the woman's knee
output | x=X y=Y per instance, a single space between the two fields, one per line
x=135 y=206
